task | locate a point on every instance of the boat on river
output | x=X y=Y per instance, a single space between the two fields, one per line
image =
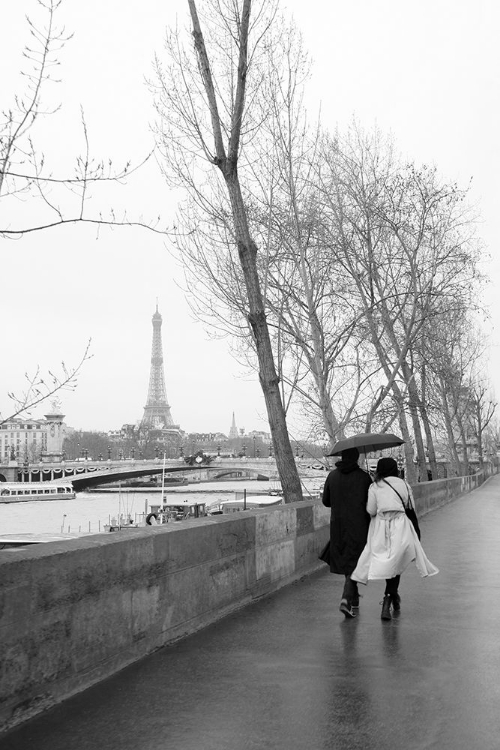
x=175 y=509
x=24 y=492
x=247 y=502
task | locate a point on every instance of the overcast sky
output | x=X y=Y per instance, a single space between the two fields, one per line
x=427 y=71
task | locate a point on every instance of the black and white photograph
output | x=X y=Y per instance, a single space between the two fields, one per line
x=249 y=424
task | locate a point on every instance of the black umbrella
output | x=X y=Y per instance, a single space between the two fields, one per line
x=367 y=442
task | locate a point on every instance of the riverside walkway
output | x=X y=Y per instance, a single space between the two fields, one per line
x=290 y=673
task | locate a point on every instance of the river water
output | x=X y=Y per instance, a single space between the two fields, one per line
x=90 y=511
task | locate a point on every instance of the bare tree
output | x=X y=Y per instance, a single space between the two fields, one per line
x=54 y=200
x=405 y=240
x=40 y=387
x=308 y=308
x=211 y=103
x=482 y=412
x=451 y=355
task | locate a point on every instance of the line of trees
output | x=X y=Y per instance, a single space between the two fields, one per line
x=346 y=276
x=360 y=267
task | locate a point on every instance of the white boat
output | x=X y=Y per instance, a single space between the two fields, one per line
x=173 y=509
x=246 y=503
x=23 y=492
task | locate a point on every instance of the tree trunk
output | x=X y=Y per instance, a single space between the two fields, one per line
x=449 y=431
x=247 y=251
x=427 y=425
x=479 y=430
x=410 y=470
x=430 y=441
x=463 y=438
x=413 y=402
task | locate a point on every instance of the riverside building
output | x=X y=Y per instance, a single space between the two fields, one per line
x=30 y=440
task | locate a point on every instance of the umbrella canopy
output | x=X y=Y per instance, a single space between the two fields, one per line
x=366 y=442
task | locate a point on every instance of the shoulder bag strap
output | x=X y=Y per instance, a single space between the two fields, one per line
x=410 y=502
x=395 y=490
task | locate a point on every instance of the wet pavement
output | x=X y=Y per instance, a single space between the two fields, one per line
x=290 y=673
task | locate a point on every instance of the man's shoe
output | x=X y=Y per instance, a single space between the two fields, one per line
x=355 y=604
x=346 y=609
x=386 y=608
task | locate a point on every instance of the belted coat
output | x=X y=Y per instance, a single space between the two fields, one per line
x=346 y=493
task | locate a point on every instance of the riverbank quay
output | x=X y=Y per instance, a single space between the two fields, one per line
x=289 y=672
x=74 y=613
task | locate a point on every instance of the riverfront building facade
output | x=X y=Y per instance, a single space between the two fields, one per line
x=32 y=440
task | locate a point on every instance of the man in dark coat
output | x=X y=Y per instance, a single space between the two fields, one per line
x=346 y=493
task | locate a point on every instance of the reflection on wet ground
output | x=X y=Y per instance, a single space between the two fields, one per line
x=290 y=673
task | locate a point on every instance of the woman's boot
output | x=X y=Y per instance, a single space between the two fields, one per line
x=386 y=608
x=396 y=602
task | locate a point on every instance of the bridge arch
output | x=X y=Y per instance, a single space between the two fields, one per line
x=237 y=473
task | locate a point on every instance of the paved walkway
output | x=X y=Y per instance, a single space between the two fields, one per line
x=289 y=673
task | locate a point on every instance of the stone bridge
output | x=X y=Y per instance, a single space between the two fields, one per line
x=85 y=474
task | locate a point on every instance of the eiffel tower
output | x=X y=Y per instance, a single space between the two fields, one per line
x=157 y=414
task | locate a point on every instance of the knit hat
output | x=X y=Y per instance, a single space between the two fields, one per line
x=350 y=455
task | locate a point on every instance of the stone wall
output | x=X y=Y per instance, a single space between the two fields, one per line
x=431 y=495
x=75 y=612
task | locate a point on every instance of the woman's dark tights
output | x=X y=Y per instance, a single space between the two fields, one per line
x=392 y=585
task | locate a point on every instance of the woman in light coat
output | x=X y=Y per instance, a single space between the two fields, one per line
x=392 y=542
